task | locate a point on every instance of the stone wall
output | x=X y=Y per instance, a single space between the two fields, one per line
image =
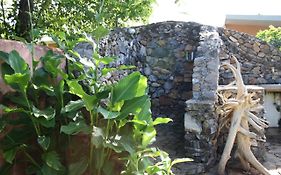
x=164 y=52
x=200 y=117
x=261 y=62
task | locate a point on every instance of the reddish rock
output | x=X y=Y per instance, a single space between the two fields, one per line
x=165 y=101
x=22 y=49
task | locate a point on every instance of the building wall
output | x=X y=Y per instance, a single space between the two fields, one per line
x=249 y=29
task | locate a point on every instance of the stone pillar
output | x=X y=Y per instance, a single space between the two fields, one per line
x=200 y=118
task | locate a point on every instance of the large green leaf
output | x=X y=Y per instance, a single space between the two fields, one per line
x=133 y=106
x=3 y=124
x=18 y=81
x=106 y=60
x=142 y=86
x=4 y=56
x=100 y=32
x=52 y=160
x=73 y=106
x=59 y=91
x=9 y=155
x=17 y=63
x=78 y=168
x=108 y=168
x=45 y=117
x=107 y=114
x=129 y=87
x=76 y=89
x=40 y=77
x=160 y=120
x=148 y=136
x=145 y=113
x=18 y=100
x=46 y=170
x=75 y=127
x=51 y=63
x=6 y=70
x=44 y=142
x=97 y=137
x=48 y=113
x=46 y=123
x=181 y=160
x=12 y=110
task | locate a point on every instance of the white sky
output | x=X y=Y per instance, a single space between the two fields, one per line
x=211 y=12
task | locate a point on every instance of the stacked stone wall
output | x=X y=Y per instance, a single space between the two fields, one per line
x=261 y=62
x=164 y=52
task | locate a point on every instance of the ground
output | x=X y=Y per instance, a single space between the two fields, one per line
x=272 y=159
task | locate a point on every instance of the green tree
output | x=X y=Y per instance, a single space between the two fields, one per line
x=70 y=16
x=271 y=36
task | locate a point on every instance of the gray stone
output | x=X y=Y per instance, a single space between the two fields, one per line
x=147 y=71
x=152 y=78
x=160 y=52
x=191 y=124
x=155 y=85
x=261 y=54
x=168 y=85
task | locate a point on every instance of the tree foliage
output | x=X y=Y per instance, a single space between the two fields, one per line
x=271 y=35
x=69 y=16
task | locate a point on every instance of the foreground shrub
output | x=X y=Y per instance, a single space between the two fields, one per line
x=74 y=123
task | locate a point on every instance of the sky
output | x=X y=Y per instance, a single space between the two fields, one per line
x=211 y=12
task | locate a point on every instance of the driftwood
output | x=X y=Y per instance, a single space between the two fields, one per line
x=238 y=113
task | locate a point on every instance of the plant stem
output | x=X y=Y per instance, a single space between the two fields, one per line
x=31 y=159
x=91 y=145
x=33 y=121
x=3 y=16
x=31 y=24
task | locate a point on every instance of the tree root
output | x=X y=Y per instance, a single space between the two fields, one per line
x=238 y=112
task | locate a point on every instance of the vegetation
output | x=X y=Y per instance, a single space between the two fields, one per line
x=73 y=123
x=51 y=16
x=271 y=36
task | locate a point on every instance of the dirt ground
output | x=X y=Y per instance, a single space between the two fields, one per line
x=272 y=156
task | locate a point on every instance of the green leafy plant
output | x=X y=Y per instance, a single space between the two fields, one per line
x=271 y=36
x=71 y=122
x=50 y=16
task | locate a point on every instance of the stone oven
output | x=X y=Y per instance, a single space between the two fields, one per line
x=181 y=61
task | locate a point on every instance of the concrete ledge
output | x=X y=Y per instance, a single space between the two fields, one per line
x=271 y=87
x=249 y=87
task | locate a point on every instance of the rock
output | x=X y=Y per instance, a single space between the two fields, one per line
x=256 y=47
x=147 y=71
x=155 y=84
x=160 y=52
x=143 y=51
x=261 y=54
x=161 y=42
x=265 y=48
x=178 y=79
x=233 y=39
x=165 y=100
x=191 y=124
x=152 y=78
x=196 y=87
x=168 y=86
x=188 y=47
